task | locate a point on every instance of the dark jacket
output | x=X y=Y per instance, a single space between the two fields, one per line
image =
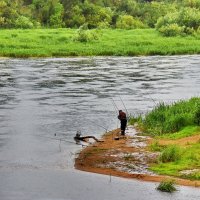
x=122 y=116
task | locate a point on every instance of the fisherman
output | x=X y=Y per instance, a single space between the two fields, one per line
x=123 y=120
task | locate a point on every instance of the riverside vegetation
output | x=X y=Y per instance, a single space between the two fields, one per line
x=84 y=42
x=175 y=130
x=100 y=27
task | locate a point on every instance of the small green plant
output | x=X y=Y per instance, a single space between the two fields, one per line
x=171 y=30
x=171 y=153
x=155 y=146
x=85 y=35
x=128 y=22
x=166 y=186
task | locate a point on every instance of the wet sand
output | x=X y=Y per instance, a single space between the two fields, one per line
x=127 y=157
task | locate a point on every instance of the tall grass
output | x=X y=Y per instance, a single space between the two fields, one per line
x=60 y=42
x=172 y=118
x=174 y=160
x=170 y=154
x=166 y=186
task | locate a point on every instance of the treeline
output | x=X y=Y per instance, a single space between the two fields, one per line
x=168 y=16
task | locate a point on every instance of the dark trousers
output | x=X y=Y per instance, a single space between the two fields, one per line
x=123 y=126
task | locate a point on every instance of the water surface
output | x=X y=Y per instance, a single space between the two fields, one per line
x=42 y=100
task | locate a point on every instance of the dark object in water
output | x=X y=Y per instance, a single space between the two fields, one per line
x=79 y=138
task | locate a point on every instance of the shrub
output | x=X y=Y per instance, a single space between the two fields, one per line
x=23 y=22
x=155 y=146
x=172 y=118
x=128 y=22
x=185 y=21
x=171 y=153
x=175 y=123
x=166 y=186
x=171 y=30
x=85 y=35
x=197 y=115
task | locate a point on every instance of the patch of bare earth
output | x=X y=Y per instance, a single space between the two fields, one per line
x=127 y=157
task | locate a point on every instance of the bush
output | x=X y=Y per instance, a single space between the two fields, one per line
x=175 y=123
x=166 y=186
x=171 y=30
x=172 y=118
x=128 y=22
x=85 y=35
x=197 y=115
x=186 y=21
x=171 y=153
x=23 y=22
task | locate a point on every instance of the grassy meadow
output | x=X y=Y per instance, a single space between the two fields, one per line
x=175 y=129
x=110 y=42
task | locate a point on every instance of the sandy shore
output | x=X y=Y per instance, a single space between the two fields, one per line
x=127 y=157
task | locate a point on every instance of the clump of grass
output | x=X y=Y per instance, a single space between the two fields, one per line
x=192 y=176
x=155 y=146
x=171 y=153
x=172 y=118
x=167 y=186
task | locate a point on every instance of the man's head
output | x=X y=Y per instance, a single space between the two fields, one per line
x=120 y=111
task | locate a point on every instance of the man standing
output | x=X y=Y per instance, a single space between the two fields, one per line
x=122 y=118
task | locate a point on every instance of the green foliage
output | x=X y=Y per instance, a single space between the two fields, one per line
x=171 y=153
x=155 y=146
x=171 y=30
x=188 y=161
x=172 y=118
x=197 y=114
x=56 y=18
x=85 y=35
x=151 y=12
x=186 y=21
x=23 y=22
x=192 y=3
x=166 y=186
x=128 y=22
x=100 y=13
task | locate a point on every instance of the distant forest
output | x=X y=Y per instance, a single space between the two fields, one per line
x=124 y=14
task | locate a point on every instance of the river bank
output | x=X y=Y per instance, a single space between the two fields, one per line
x=110 y=42
x=128 y=157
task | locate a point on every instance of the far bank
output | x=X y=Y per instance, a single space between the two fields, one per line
x=105 y=42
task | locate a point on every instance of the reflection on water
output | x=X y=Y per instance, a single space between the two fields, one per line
x=43 y=97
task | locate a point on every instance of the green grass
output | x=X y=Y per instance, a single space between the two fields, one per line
x=171 y=153
x=172 y=122
x=189 y=159
x=185 y=132
x=60 y=43
x=167 y=119
x=166 y=186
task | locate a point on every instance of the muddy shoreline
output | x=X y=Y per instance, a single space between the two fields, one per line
x=127 y=157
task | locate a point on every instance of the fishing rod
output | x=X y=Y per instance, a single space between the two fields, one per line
x=124 y=106
x=58 y=139
x=106 y=129
x=152 y=99
x=115 y=106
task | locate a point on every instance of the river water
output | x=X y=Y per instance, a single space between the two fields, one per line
x=43 y=100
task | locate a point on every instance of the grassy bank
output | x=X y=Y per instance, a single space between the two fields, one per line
x=60 y=42
x=176 y=135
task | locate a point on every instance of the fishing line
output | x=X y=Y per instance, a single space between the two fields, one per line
x=124 y=107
